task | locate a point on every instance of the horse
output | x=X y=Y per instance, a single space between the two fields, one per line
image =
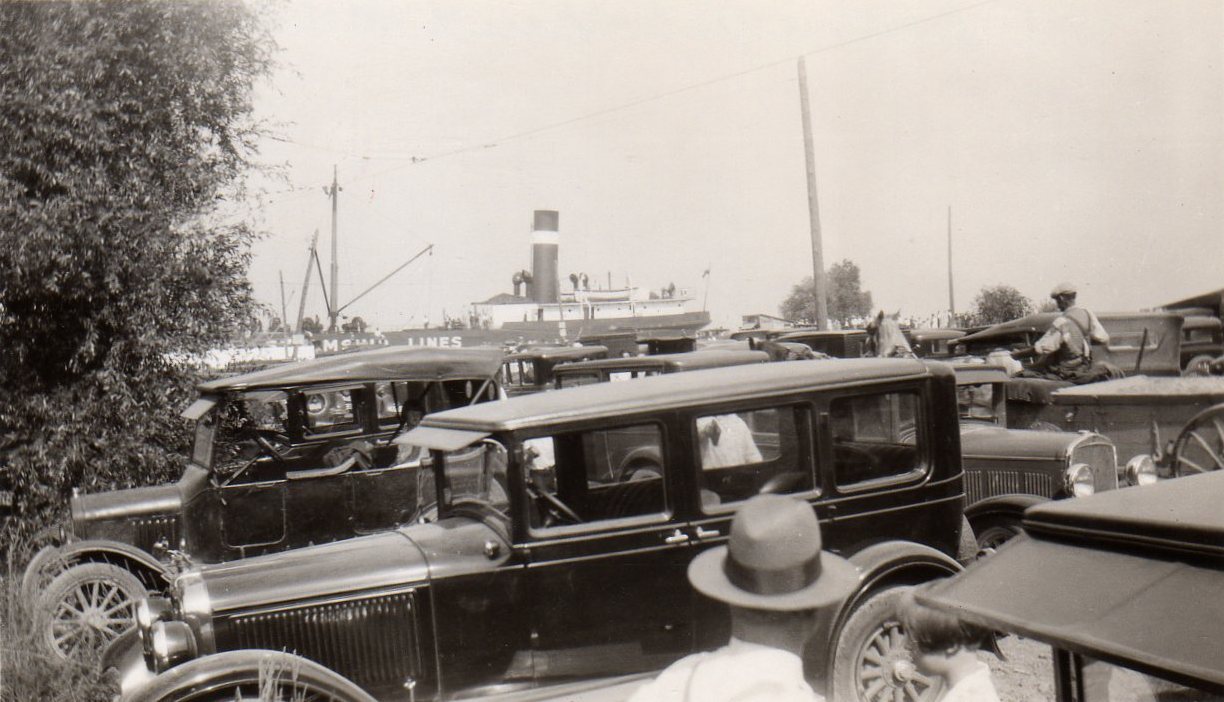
x=885 y=340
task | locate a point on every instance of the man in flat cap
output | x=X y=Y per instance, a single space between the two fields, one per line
x=1064 y=352
x=777 y=582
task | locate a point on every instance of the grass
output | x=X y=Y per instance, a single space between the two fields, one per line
x=26 y=673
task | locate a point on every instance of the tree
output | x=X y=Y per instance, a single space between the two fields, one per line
x=1000 y=303
x=846 y=300
x=122 y=126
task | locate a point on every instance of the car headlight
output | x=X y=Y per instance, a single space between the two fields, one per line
x=149 y=611
x=315 y=404
x=1141 y=470
x=172 y=643
x=1078 y=480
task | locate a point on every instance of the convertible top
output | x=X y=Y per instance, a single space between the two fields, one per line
x=688 y=360
x=1128 y=576
x=386 y=363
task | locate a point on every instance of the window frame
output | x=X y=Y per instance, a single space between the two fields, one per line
x=540 y=533
x=809 y=446
x=922 y=438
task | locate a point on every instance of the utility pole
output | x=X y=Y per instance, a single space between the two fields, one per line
x=951 y=298
x=809 y=157
x=332 y=311
x=284 y=312
x=314 y=243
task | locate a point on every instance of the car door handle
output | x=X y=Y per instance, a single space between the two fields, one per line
x=703 y=534
x=677 y=537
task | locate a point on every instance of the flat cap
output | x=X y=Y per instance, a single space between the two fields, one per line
x=1063 y=289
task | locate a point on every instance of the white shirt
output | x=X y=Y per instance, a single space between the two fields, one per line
x=737 y=672
x=725 y=441
x=1059 y=334
x=975 y=687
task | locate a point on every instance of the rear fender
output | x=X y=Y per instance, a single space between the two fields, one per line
x=139 y=563
x=1009 y=506
x=227 y=670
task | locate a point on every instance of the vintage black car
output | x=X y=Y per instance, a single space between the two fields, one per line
x=285 y=457
x=837 y=343
x=629 y=367
x=531 y=370
x=565 y=523
x=1009 y=470
x=1123 y=586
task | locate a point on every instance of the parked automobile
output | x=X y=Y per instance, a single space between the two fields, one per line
x=630 y=367
x=1202 y=342
x=1009 y=470
x=933 y=343
x=531 y=370
x=285 y=457
x=1123 y=586
x=565 y=523
x=837 y=343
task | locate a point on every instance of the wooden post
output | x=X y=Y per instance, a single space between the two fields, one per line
x=818 y=270
x=951 y=297
x=284 y=313
x=314 y=242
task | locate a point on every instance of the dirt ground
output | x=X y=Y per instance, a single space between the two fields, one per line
x=1027 y=674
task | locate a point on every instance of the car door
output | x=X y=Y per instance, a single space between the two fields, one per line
x=738 y=452
x=606 y=555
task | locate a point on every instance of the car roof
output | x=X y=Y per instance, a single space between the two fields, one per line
x=673 y=390
x=385 y=363
x=689 y=360
x=1109 y=576
x=977 y=373
x=933 y=333
x=558 y=353
x=820 y=334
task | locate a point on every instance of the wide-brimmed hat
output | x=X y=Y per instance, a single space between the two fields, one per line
x=1062 y=289
x=773 y=560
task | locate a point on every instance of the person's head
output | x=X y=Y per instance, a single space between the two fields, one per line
x=939 y=640
x=1063 y=295
x=773 y=572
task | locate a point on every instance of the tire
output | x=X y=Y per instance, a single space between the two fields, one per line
x=872 y=632
x=85 y=608
x=39 y=572
x=1199 y=365
x=967 y=549
x=993 y=533
x=244 y=675
x=1042 y=425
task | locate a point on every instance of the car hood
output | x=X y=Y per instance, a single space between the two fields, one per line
x=134 y=502
x=980 y=439
x=409 y=556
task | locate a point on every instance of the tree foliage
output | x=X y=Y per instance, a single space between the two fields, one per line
x=846 y=298
x=122 y=126
x=1000 y=303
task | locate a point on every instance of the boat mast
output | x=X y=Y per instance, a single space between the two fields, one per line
x=332 y=311
x=314 y=242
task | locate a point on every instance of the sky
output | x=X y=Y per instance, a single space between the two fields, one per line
x=1079 y=141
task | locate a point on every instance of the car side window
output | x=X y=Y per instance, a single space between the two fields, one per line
x=331 y=411
x=573 y=380
x=875 y=437
x=615 y=376
x=751 y=452
x=595 y=476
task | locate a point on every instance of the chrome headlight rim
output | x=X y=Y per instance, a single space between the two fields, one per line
x=172 y=643
x=1078 y=480
x=1141 y=470
x=149 y=611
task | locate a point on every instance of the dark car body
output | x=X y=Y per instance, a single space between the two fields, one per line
x=934 y=342
x=630 y=367
x=1008 y=470
x=530 y=370
x=838 y=343
x=1202 y=337
x=273 y=503
x=551 y=561
x=1121 y=585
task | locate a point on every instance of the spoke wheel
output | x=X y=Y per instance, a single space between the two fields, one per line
x=85 y=608
x=39 y=572
x=1200 y=446
x=994 y=534
x=872 y=662
x=250 y=675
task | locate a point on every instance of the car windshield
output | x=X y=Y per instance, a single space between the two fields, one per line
x=226 y=435
x=976 y=402
x=476 y=473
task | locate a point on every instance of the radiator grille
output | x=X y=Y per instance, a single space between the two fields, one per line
x=150 y=530
x=981 y=484
x=370 y=641
x=1102 y=458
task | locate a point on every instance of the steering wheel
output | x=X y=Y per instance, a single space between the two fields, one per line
x=555 y=510
x=264 y=438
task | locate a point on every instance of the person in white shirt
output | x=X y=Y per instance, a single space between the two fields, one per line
x=946 y=646
x=777 y=582
x=1064 y=352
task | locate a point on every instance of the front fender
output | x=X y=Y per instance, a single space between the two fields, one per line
x=230 y=670
x=1012 y=505
x=141 y=564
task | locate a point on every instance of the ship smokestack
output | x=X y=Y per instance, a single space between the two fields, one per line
x=544 y=241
